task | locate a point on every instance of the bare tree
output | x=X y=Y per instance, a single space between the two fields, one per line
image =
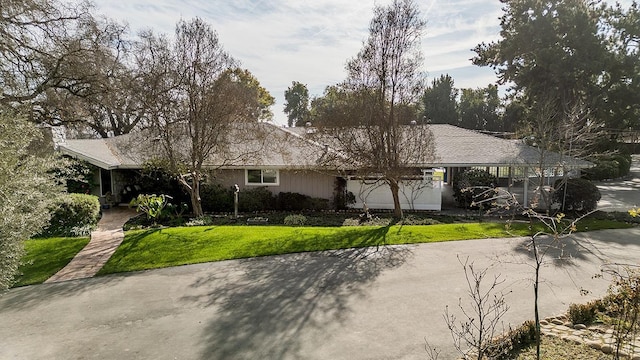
x=483 y=318
x=547 y=238
x=112 y=103
x=35 y=54
x=382 y=87
x=203 y=109
x=560 y=136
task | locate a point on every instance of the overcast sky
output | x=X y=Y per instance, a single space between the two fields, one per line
x=309 y=41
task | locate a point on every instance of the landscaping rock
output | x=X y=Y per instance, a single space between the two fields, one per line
x=607 y=349
x=579 y=326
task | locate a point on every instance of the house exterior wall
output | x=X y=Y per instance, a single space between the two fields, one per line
x=414 y=195
x=305 y=182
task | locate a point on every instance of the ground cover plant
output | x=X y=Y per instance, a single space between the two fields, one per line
x=45 y=257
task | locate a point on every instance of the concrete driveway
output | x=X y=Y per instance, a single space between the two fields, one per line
x=621 y=195
x=353 y=304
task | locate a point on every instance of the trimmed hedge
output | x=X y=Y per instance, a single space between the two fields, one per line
x=256 y=199
x=73 y=215
x=288 y=201
x=216 y=198
x=581 y=195
x=471 y=186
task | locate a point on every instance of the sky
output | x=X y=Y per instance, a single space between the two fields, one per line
x=310 y=41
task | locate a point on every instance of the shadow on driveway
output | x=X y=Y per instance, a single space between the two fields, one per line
x=277 y=304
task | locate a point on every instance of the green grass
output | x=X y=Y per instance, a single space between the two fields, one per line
x=157 y=248
x=45 y=257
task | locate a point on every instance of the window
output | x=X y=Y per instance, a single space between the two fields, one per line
x=262 y=177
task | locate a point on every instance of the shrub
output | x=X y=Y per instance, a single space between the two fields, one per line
x=288 y=201
x=256 y=199
x=295 y=220
x=152 y=205
x=505 y=347
x=609 y=167
x=585 y=313
x=73 y=215
x=577 y=195
x=216 y=198
x=200 y=221
x=473 y=186
x=154 y=179
x=624 y=163
x=603 y=169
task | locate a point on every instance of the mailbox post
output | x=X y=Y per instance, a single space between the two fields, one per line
x=235 y=200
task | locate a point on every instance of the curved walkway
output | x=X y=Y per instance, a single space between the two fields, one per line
x=104 y=242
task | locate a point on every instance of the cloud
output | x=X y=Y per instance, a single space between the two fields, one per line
x=311 y=40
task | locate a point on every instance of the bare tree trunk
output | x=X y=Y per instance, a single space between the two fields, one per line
x=395 y=189
x=536 y=285
x=196 y=202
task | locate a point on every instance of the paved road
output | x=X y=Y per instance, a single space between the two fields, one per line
x=354 y=304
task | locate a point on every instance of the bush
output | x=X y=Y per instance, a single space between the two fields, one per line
x=505 y=347
x=295 y=220
x=603 y=170
x=585 y=313
x=579 y=195
x=288 y=201
x=624 y=163
x=73 y=215
x=471 y=187
x=256 y=199
x=609 y=167
x=216 y=198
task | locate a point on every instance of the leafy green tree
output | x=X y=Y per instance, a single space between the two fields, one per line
x=479 y=109
x=440 y=104
x=548 y=49
x=333 y=104
x=261 y=110
x=27 y=187
x=297 y=104
x=577 y=58
x=620 y=106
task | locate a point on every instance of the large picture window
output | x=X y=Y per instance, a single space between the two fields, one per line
x=262 y=177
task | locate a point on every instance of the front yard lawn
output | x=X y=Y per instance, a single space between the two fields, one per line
x=157 y=248
x=45 y=257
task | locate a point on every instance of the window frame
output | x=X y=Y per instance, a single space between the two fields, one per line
x=262 y=176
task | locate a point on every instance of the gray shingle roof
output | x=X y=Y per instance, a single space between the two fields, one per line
x=459 y=147
x=291 y=148
x=456 y=146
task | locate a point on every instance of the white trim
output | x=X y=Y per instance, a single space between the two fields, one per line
x=261 y=183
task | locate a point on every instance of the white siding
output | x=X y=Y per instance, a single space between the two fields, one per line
x=414 y=195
